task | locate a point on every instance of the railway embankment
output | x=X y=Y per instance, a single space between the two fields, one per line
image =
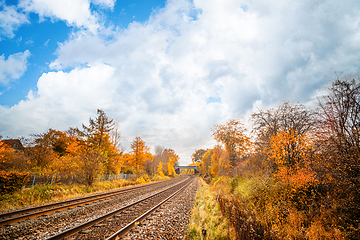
x=131 y=212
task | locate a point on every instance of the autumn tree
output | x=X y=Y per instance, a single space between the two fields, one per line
x=170 y=167
x=206 y=162
x=12 y=158
x=159 y=170
x=158 y=157
x=99 y=128
x=164 y=154
x=41 y=150
x=291 y=155
x=216 y=156
x=98 y=138
x=197 y=155
x=339 y=148
x=89 y=165
x=284 y=118
x=340 y=112
x=171 y=158
x=232 y=136
x=127 y=165
x=140 y=152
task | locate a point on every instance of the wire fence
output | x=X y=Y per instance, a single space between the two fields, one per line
x=71 y=179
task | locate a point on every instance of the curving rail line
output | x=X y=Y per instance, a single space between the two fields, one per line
x=32 y=212
x=129 y=211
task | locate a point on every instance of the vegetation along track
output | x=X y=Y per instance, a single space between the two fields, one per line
x=31 y=212
x=42 y=227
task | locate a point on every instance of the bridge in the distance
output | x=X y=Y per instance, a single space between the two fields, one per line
x=178 y=168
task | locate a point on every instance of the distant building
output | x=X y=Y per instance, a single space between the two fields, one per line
x=13 y=143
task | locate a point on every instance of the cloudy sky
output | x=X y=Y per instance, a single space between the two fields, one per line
x=166 y=70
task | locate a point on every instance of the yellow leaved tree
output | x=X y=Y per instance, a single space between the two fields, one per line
x=170 y=167
x=159 y=171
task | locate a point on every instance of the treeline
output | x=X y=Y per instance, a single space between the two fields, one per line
x=89 y=152
x=297 y=174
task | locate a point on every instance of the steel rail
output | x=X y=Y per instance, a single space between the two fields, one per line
x=122 y=232
x=92 y=222
x=70 y=204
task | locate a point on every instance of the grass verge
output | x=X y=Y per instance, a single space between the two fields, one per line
x=41 y=194
x=206 y=215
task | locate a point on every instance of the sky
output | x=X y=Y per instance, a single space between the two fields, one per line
x=167 y=71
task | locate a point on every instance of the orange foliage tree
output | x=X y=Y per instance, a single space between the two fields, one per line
x=206 y=162
x=290 y=155
x=12 y=159
x=232 y=136
x=140 y=153
x=215 y=160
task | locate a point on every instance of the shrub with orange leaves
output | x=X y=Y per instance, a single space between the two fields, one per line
x=12 y=181
x=289 y=156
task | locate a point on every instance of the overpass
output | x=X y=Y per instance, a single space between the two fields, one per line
x=177 y=168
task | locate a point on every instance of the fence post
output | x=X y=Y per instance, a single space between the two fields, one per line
x=33 y=181
x=52 y=179
x=72 y=177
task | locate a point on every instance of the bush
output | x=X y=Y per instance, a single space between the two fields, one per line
x=143 y=179
x=12 y=181
x=160 y=178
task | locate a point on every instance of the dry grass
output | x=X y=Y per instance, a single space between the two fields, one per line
x=41 y=194
x=206 y=216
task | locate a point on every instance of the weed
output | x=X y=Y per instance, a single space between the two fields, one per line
x=206 y=215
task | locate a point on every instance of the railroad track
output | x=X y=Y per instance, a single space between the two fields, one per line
x=32 y=212
x=117 y=223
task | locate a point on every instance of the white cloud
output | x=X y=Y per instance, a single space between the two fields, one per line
x=10 y=20
x=46 y=43
x=74 y=12
x=162 y=73
x=105 y=3
x=62 y=100
x=13 y=67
